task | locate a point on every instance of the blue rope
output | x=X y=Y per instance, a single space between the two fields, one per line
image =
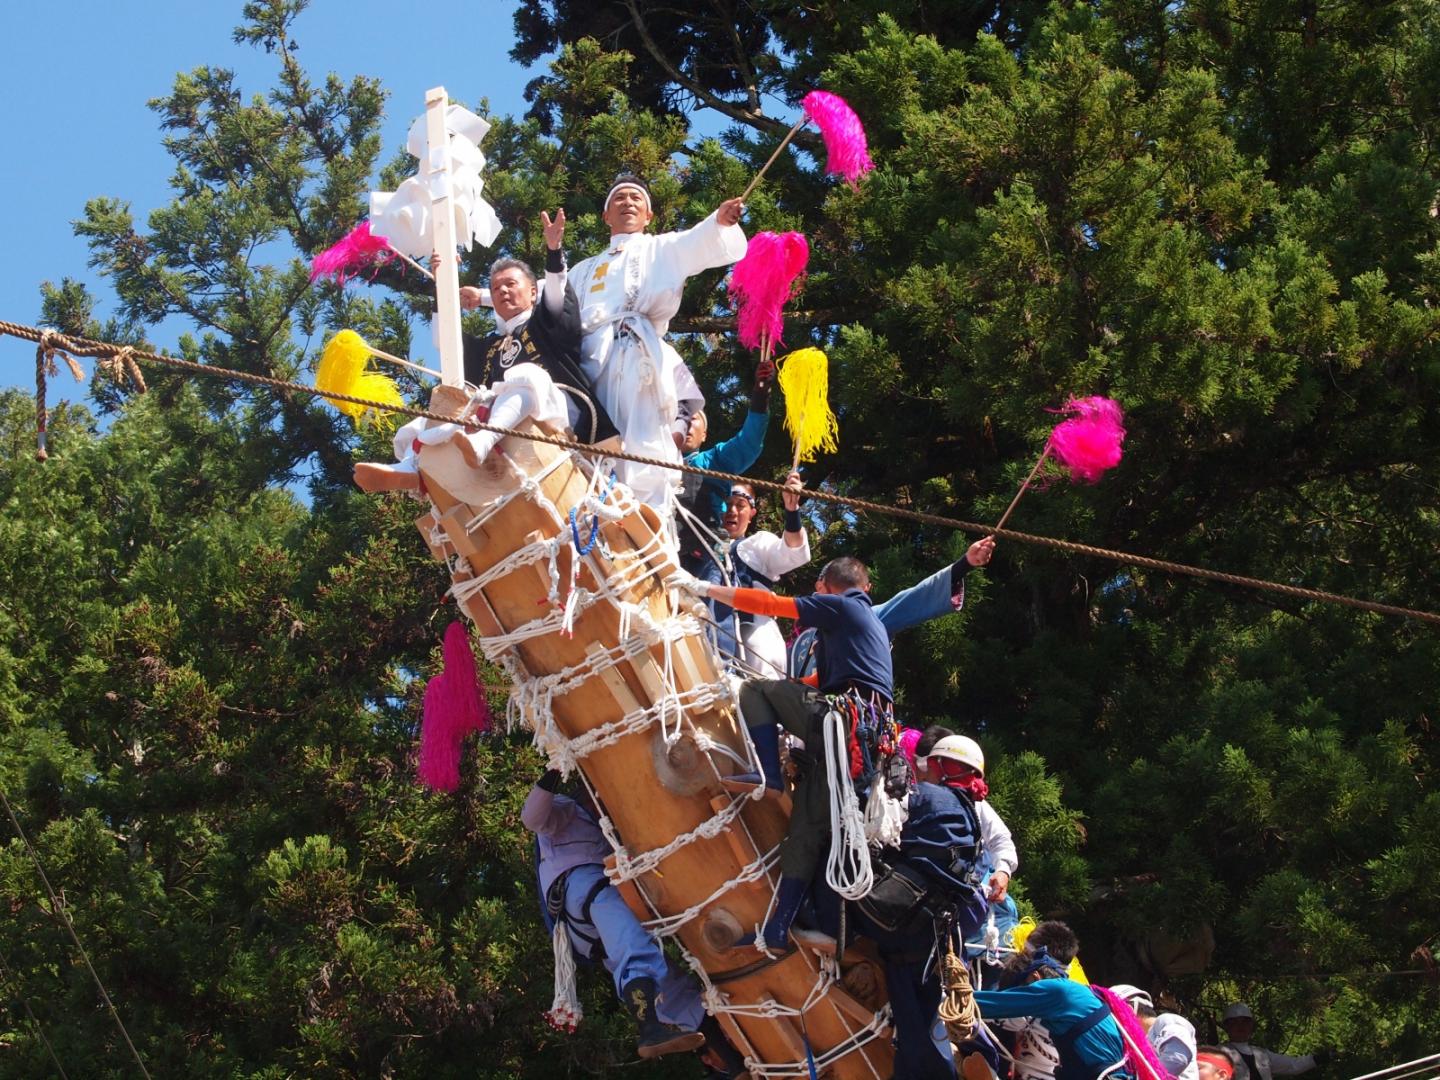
x=584 y=549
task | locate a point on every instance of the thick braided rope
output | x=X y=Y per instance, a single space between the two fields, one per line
x=957 y=1004
x=85 y=347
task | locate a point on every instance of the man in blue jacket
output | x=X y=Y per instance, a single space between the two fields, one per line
x=937 y=876
x=602 y=928
x=939 y=594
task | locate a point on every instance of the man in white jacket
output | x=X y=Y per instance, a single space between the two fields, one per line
x=1172 y=1036
x=628 y=294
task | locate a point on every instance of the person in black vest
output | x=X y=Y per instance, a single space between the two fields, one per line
x=1262 y=1064
x=934 y=876
x=528 y=367
x=547 y=334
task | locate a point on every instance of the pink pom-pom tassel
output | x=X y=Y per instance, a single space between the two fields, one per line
x=763 y=281
x=845 y=146
x=356 y=251
x=439 y=763
x=454 y=706
x=1088 y=443
x=1139 y=1054
x=909 y=739
x=462 y=683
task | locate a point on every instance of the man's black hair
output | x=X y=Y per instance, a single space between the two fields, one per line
x=500 y=265
x=931 y=735
x=1056 y=938
x=1145 y=1012
x=846 y=572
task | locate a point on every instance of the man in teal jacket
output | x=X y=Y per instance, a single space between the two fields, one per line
x=1086 y=1035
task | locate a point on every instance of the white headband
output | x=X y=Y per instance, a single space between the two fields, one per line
x=628 y=184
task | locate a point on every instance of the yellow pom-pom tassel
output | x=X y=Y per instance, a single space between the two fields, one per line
x=343 y=370
x=805 y=380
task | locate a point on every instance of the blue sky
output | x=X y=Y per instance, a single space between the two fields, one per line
x=75 y=125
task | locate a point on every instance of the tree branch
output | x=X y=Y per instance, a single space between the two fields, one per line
x=751 y=117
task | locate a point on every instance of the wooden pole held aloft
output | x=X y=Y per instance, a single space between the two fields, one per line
x=435 y=168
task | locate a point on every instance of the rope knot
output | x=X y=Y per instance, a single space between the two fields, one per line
x=52 y=344
x=120 y=366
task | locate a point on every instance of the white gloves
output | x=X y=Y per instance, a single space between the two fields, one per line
x=688 y=582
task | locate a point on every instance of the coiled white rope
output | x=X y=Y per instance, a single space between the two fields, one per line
x=847 y=870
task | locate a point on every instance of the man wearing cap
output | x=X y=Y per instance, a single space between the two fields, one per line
x=628 y=295
x=1239 y=1024
x=755 y=561
x=1171 y=1035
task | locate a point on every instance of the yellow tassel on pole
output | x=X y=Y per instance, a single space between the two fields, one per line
x=805 y=381
x=343 y=370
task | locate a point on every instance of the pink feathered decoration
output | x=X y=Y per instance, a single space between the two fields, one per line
x=908 y=738
x=762 y=281
x=1089 y=442
x=357 y=251
x=844 y=135
x=1139 y=1054
x=454 y=707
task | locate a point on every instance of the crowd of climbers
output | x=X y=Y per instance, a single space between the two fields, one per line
x=588 y=352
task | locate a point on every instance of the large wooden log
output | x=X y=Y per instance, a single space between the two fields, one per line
x=657 y=781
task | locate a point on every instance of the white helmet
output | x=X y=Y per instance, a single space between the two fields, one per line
x=1237 y=1011
x=1132 y=995
x=960 y=748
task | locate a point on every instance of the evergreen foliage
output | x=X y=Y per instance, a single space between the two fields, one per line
x=1223 y=214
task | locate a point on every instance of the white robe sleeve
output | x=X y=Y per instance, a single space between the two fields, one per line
x=703 y=246
x=999 y=844
x=771 y=556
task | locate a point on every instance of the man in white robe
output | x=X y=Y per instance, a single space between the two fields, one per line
x=628 y=295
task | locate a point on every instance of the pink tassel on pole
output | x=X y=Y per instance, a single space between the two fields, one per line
x=1139 y=1054
x=454 y=707
x=762 y=282
x=357 y=251
x=845 y=147
x=439 y=764
x=1089 y=442
x=463 y=683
